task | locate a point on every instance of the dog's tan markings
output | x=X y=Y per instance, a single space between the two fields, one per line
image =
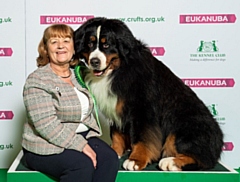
x=103 y=40
x=92 y=38
x=119 y=107
x=114 y=60
x=116 y=63
x=154 y=149
x=153 y=141
x=120 y=142
x=86 y=55
x=141 y=155
x=169 y=148
x=183 y=160
x=146 y=151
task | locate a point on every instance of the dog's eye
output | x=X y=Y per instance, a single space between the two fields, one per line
x=105 y=46
x=90 y=45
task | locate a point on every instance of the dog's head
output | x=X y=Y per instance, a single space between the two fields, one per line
x=103 y=44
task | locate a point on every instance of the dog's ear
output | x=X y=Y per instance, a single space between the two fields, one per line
x=79 y=41
x=126 y=41
x=80 y=33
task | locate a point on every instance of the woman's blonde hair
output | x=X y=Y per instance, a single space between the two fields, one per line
x=55 y=30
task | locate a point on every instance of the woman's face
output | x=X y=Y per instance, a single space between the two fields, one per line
x=60 y=50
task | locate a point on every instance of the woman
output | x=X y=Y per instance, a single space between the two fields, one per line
x=60 y=136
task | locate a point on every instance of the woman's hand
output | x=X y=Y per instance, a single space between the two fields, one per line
x=90 y=153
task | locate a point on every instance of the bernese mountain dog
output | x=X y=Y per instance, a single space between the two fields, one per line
x=153 y=113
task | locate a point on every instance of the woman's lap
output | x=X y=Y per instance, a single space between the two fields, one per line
x=61 y=165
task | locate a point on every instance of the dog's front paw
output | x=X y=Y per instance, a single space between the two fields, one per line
x=130 y=165
x=168 y=164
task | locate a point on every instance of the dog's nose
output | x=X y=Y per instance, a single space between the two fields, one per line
x=95 y=62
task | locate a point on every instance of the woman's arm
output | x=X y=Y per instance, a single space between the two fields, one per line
x=42 y=115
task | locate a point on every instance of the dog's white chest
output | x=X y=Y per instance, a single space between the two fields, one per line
x=106 y=100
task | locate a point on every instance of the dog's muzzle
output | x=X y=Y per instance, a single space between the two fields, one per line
x=95 y=64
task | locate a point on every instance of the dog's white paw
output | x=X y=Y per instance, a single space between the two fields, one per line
x=168 y=164
x=130 y=165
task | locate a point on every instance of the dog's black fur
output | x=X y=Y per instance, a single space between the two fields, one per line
x=158 y=116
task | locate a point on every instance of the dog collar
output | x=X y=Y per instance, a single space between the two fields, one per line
x=77 y=71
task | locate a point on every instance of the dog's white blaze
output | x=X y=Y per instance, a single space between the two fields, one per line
x=97 y=53
x=106 y=100
x=98 y=33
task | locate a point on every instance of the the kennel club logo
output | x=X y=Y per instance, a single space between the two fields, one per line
x=5 y=52
x=208 y=51
x=213 y=108
x=64 y=19
x=6 y=115
x=209 y=82
x=208 y=18
x=207 y=46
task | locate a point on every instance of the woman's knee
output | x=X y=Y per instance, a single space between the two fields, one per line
x=113 y=155
x=112 y=159
x=84 y=164
x=82 y=170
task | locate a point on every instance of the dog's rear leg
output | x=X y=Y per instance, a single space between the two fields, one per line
x=177 y=163
x=172 y=160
